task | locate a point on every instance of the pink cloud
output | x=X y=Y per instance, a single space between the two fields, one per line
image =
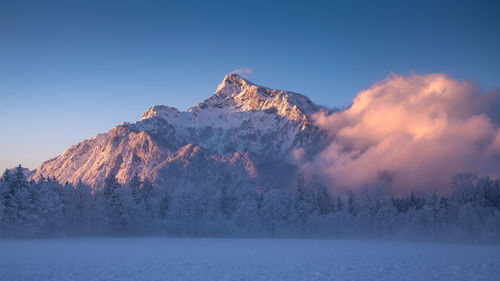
x=411 y=133
x=243 y=71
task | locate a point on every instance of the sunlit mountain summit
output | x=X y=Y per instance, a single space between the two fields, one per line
x=245 y=132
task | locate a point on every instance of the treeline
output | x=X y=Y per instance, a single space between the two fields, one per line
x=46 y=208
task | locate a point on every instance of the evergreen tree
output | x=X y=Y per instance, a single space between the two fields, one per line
x=224 y=203
x=8 y=205
x=3 y=189
x=274 y=210
x=135 y=186
x=46 y=207
x=371 y=203
x=115 y=211
x=324 y=202
x=414 y=202
x=246 y=216
x=340 y=204
x=82 y=208
x=228 y=200
x=147 y=191
x=186 y=210
x=488 y=192
x=25 y=216
x=303 y=206
x=148 y=202
x=432 y=212
x=49 y=208
x=351 y=204
x=165 y=200
x=464 y=188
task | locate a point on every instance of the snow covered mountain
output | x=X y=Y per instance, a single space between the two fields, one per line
x=243 y=132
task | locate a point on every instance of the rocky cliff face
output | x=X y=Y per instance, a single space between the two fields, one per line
x=244 y=132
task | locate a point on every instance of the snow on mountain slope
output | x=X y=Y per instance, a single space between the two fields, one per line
x=242 y=129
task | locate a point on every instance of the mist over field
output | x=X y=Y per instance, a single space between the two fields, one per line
x=244 y=259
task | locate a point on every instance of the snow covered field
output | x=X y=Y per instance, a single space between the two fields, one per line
x=243 y=259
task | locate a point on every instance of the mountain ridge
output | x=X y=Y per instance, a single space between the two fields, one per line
x=241 y=120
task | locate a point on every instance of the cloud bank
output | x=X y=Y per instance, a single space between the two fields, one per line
x=410 y=133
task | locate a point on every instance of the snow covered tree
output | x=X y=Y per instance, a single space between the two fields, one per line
x=164 y=199
x=8 y=205
x=186 y=210
x=464 y=188
x=25 y=216
x=340 y=205
x=246 y=217
x=148 y=203
x=135 y=187
x=81 y=209
x=147 y=192
x=44 y=208
x=116 y=215
x=49 y=208
x=324 y=202
x=489 y=192
x=66 y=194
x=226 y=203
x=431 y=212
x=352 y=206
x=375 y=207
x=274 y=210
x=303 y=202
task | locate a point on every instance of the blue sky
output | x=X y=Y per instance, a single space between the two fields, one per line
x=71 y=69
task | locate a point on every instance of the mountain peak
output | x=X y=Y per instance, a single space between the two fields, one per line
x=232 y=84
x=239 y=93
x=159 y=110
x=170 y=145
x=234 y=80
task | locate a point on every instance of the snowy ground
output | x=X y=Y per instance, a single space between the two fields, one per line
x=243 y=259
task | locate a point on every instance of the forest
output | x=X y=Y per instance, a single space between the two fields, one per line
x=47 y=208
